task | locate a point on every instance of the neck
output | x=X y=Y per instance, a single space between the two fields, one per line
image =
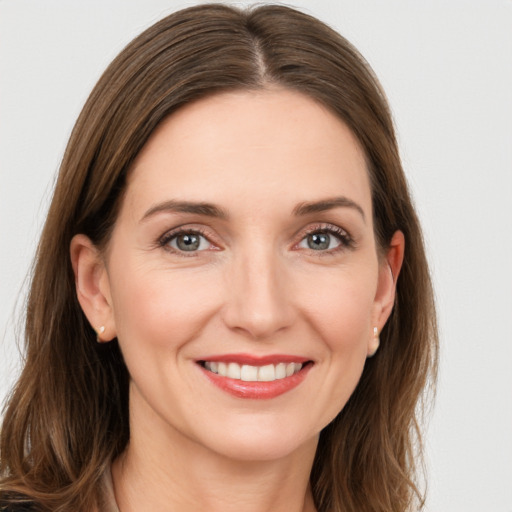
x=164 y=470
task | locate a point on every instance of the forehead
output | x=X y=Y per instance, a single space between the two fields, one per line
x=255 y=145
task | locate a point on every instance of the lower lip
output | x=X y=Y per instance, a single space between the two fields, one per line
x=257 y=390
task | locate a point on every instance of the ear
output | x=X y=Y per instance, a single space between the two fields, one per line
x=92 y=286
x=389 y=269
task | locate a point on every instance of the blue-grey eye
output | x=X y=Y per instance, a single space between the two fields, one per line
x=188 y=242
x=320 y=241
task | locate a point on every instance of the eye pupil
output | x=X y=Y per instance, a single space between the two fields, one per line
x=318 y=241
x=188 y=242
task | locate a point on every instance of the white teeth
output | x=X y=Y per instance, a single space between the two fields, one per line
x=267 y=373
x=222 y=369
x=280 y=371
x=248 y=373
x=233 y=371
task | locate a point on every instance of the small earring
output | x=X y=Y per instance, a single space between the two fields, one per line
x=101 y=330
x=375 y=343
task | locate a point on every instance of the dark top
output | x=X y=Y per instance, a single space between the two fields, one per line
x=18 y=507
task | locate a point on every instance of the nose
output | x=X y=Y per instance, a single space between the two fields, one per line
x=258 y=295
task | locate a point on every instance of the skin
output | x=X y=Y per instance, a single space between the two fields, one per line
x=255 y=286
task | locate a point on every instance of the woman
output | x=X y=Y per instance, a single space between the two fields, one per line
x=231 y=306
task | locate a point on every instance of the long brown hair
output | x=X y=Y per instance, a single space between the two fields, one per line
x=67 y=417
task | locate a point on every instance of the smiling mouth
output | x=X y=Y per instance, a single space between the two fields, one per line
x=255 y=377
x=250 y=373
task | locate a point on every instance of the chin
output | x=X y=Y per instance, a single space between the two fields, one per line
x=261 y=444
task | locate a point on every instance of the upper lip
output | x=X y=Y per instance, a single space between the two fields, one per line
x=254 y=360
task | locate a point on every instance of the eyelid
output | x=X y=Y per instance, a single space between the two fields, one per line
x=163 y=240
x=343 y=235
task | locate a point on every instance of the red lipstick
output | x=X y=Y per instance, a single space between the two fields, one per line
x=256 y=360
x=253 y=388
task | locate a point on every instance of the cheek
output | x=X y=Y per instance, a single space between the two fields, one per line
x=165 y=309
x=342 y=306
x=341 y=317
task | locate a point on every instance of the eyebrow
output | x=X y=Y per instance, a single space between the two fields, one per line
x=172 y=206
x=327 y=204
x=211 y=210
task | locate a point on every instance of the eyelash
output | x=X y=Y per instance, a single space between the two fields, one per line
x=165 y=239
x=345 y=239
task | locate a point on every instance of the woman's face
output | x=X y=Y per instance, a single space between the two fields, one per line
x=242 y=278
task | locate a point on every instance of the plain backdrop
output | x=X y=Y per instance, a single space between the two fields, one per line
x=447 y=70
